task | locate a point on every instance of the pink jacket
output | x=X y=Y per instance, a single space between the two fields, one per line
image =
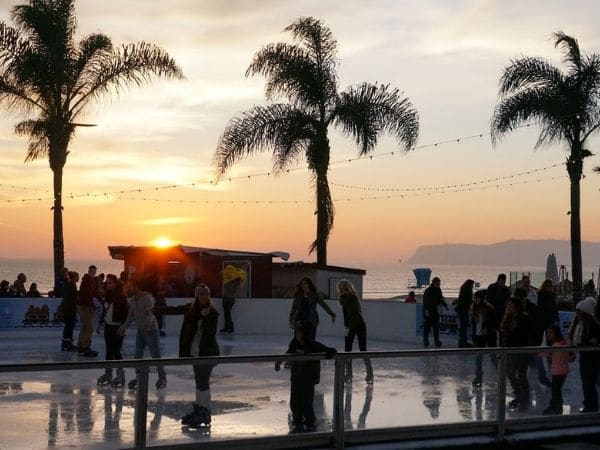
x=559 y=360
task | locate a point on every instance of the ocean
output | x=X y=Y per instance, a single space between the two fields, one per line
x=379 y=283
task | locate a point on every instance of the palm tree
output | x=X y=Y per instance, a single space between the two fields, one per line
x=566 y=106
x=51 y=78
x=304 y=73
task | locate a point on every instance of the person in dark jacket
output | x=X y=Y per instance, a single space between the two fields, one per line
x=432 y=300
x=585 y=332
x=61 y=282
x=354 y=325
x=69 y=310
x=18 y=287
x=497 y=296
x=304 y=307
x=88 y=291
x=304 y=376
x=5 y=289
x=115 y=303
x=547 y=309
x=198 y=338
x=516 y=330
x=482 y=315
x=463 y=306
x=33 y=291
x=536 y=334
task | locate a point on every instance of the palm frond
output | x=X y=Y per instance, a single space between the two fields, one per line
x=364 y=111
x=571 y=48
x=527 y=72
x=317 y=37
x=92 y=49
x=37 y=131
x=278 y=127
x=131 y=64
x=535 y=104
x=15 y=97
x=11 y=45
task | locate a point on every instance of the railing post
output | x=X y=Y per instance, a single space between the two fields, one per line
x=141 y=407
x=338 y=402
x=501 y=413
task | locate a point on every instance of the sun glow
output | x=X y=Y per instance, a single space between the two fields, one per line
x=163 y=242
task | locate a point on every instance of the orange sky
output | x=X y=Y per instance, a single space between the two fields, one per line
x=445 y=56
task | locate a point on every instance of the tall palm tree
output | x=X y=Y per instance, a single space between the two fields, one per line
x=566 y=105
x=304 y=73
x=51 y=78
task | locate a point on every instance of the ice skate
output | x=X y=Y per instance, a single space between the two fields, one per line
x=189 y=418
x=161 y=383
x=201 y=418
x=119 y=380
x=105 y=379
x=67 y=346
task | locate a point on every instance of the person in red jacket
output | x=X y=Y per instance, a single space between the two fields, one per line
x=85 y=307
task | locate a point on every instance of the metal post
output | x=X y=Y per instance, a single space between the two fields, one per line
x=141 y=407
x=338 y=402
x=501 y=412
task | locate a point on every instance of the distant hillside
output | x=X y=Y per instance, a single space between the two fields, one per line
x=517 y=252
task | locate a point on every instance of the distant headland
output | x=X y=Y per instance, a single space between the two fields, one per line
x=513 y=252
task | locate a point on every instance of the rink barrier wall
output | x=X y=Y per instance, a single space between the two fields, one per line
x=498 y=431
x=387 y=320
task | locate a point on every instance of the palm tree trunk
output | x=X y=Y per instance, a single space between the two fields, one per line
x=575 y=169
x=324 y=217
x=58 y=242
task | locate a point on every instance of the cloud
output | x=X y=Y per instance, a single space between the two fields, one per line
x=167 y=221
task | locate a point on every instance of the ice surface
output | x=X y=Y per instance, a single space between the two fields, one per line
x=68 y=410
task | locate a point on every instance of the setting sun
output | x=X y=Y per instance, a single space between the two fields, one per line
x=163 y=242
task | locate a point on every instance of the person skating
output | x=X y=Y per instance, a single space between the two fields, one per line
x=304 y=307
x=483 y=332
x=198 y=338
x=141 y=311
x=304 y=376
x=116 y=314
x=585 y=332
x=69 y=310
x=559 y=367
x=516 y=330
x=85 y=307
x=498 y=295
x=355 y=325
x=432 y=300
x=463 y=306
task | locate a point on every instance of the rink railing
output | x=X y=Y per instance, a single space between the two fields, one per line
x=482 y=432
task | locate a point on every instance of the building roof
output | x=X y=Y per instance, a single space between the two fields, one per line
x=302 y=264
x=119 y=251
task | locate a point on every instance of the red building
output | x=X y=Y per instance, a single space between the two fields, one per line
x=181 y=268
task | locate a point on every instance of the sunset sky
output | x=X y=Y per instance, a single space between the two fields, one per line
x=447 y=57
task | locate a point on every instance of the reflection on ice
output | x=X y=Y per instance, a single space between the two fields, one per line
x=62 y=409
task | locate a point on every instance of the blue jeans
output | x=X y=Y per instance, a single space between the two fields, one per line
x=149 y=339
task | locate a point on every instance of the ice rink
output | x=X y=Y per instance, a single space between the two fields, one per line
x=68 y=410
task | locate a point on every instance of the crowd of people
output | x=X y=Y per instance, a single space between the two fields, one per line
x=18 y=289
x=486 y=318
x=522 y=318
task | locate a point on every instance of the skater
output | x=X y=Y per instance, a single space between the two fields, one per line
x=232 y=279
x=141 y=310
x=497 y=296
x=559 y=367
x=516 y=330
x=483 y=332
x=432 y=300
x=198 y=338
x=304 y=376
x=69 y=309
x=463 y=305
x=354 y=325
x=585 y=332
x=116 y=314
x=304 y=307
x=85 y=308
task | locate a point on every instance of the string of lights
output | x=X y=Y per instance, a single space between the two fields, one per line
x=446 y=190
x=435 y=188
x=215 y=182
x=23 y=188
